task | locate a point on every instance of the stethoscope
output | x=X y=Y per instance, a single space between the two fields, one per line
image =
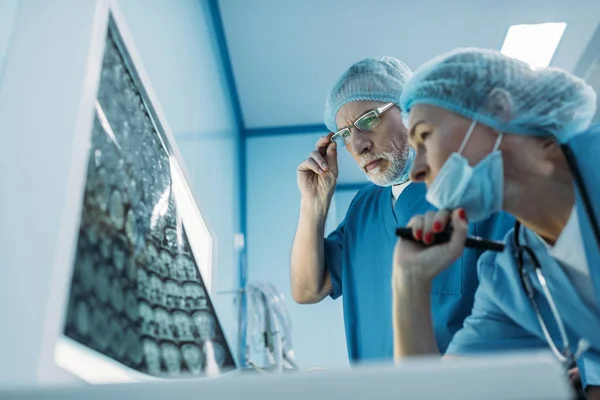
x=565 y=356
x=589 y=210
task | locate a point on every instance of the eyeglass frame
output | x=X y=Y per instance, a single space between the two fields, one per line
x=375 y=112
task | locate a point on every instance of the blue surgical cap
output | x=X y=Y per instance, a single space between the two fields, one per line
x=380 y=79
x=541 y=102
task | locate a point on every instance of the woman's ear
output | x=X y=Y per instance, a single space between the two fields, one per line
x=499 y=103
x=551 y=150
x=549 y=143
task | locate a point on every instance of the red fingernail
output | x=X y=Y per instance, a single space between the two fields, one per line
x=437 y=226
x=428 y=238
x=419 y=234
x=462 y=214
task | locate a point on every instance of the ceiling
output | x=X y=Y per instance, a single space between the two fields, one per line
x=593 y=78
x=588 y=68
x=285 y=54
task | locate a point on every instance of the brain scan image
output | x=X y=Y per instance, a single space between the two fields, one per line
x=143 y=283
x=171 y=238
x=117 y=209
x=186 y=268
x=195 y=296
x=136 y=293
x=132 y=305
x=151 y=254
x=204 y=324
x=116 y=295
x=119 y=254
x=104 y=246
x=183 y=326
x=92 y=235
x=102 y=284
x=87 y=274
x=152 y=357
x=174 y=293
x=82 y=318
x=164 y=323
x=157 y=292
x=117 y=337
x=131 y=226
x=133 y=347
x=192 y=357
x=171 y=355
x=147 y=321
x=99 y=332
x=164 y=263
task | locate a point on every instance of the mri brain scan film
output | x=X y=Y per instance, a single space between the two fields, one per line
x=137 y=295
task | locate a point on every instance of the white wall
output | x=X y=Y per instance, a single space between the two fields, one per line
x=273 y=205
x=176 y=42
x=8 y=14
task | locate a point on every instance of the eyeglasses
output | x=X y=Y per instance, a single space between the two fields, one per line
x=565 y=356
x=365 y=123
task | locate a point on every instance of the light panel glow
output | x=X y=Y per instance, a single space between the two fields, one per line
x=534 y=44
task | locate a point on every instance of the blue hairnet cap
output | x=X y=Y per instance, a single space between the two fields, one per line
x=541 y=102
x=380 y=79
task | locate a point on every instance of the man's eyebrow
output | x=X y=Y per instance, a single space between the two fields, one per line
x=357 y=118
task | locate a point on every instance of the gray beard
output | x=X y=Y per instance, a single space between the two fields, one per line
x=395 y=167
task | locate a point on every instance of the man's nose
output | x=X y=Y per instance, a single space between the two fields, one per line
x=361 y=142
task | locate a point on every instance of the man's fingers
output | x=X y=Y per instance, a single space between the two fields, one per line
x=322 y=143
x=319 y=159
x=310 y=165
x=331 y=157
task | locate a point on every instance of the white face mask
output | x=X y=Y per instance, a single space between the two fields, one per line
x=478 y=190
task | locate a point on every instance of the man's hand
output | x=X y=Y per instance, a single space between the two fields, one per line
x=318 y=174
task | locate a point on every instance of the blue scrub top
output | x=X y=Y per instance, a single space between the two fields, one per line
x=503 y=317
x=359 y=258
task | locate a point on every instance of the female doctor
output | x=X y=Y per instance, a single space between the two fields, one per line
x=487 y=130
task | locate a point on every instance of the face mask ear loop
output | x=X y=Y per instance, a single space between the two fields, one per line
x=498 y=141
x=467 y=136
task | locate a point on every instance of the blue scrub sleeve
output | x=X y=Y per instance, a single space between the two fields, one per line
x=489 y=329
x=334 y=253
x=589 y=368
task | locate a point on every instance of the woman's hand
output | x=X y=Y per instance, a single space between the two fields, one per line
x=417 y=262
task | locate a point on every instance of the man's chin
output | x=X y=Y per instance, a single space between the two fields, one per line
x=379 y=179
